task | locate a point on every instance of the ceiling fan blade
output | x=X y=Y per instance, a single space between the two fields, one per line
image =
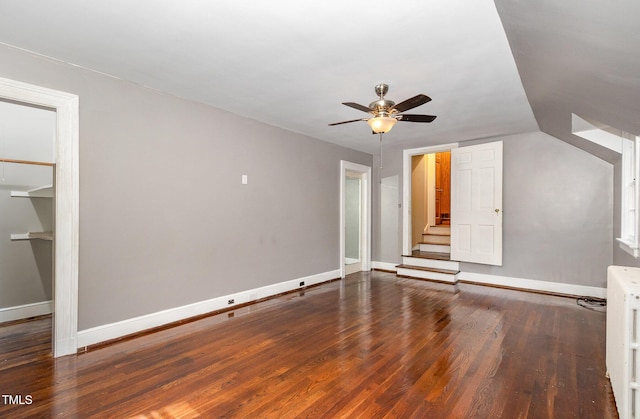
x=357 y=106
x=417 y=118
x=346 y=122
x=411 y=103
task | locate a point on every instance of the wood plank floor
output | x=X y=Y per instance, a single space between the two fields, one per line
x=370 y=346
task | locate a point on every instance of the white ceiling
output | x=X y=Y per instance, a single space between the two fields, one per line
x=291 y=64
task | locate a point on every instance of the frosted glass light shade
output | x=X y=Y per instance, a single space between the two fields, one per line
x=381 y=124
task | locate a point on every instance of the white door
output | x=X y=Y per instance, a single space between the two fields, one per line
x=476 y=204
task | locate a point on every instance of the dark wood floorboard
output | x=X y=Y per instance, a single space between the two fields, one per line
x=370 y=346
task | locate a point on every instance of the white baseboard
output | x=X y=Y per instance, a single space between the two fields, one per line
x=516 y=283
x=25 y=311
x=149 y=321
x=532 y=284
x=385 y=266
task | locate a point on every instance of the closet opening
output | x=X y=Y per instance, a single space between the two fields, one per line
x=27 y=202
x=65 y=107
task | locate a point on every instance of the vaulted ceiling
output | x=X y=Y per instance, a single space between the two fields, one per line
x=491 y=68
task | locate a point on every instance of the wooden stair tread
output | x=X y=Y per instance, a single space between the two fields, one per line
x=434 y=242
x=421 y=268
x=430 y=255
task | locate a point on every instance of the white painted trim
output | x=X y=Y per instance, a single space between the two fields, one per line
x=450 y=265
x=25 y=311
x=406 y=188
x=438 y=248
x=365 y=171
x=66 y=241
x=138 y=324
x=626 y=245
x=532 y=284
x=387 y=266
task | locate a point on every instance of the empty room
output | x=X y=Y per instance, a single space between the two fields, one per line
x=327 y=209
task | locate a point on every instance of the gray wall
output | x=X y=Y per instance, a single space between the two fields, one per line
x=558 y=206
x=164 y=218
x=386 y=211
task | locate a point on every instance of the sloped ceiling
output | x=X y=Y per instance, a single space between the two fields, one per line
x=577 y=56
x=291 y=64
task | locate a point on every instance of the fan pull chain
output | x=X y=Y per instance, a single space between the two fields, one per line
x=2 y=153
x=380 y=150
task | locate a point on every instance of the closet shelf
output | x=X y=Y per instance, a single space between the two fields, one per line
x=41 y=235
x=41 y=192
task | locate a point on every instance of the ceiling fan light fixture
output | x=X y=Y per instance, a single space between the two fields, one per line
x=381 y=124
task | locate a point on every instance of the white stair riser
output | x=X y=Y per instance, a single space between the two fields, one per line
x=434 y=238
x=438 y=248
x=436 y=276
x=431 y=263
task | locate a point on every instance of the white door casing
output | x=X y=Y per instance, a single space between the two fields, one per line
x=66 y=238
x=476 y=204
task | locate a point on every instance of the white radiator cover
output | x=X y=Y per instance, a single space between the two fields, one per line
x=623 y=336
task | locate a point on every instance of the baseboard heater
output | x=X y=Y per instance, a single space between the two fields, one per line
x=623 y=338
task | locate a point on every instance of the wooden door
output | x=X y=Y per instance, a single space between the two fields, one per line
x=443 y=188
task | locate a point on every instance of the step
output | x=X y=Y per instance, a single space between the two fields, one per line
x=442 y=230
x=439 y=229
x=436 y=238
x=434 y=247
x=441 y=275
x=431 y=260
x=430 y=255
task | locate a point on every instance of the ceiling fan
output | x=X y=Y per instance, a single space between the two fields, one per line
x=386 y=113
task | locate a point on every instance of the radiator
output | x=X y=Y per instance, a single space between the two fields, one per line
x=623 y=335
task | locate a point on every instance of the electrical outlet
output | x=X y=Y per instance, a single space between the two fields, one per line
x=302 y=283
x=231 y=301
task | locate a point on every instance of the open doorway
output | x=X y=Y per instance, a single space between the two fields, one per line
x=416 y=160
x=430 y=195
x=475 y=199
x=66 y=205
x=27 y=145
x=355 y=218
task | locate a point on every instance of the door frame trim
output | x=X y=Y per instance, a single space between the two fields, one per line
x=406 y=188
x=66 y=203
x=365 y=171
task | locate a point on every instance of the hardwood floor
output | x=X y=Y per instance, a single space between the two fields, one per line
x=372 y=345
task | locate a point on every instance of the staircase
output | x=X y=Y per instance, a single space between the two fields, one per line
x=432 y=260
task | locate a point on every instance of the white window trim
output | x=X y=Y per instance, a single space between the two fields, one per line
x=629 y=239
